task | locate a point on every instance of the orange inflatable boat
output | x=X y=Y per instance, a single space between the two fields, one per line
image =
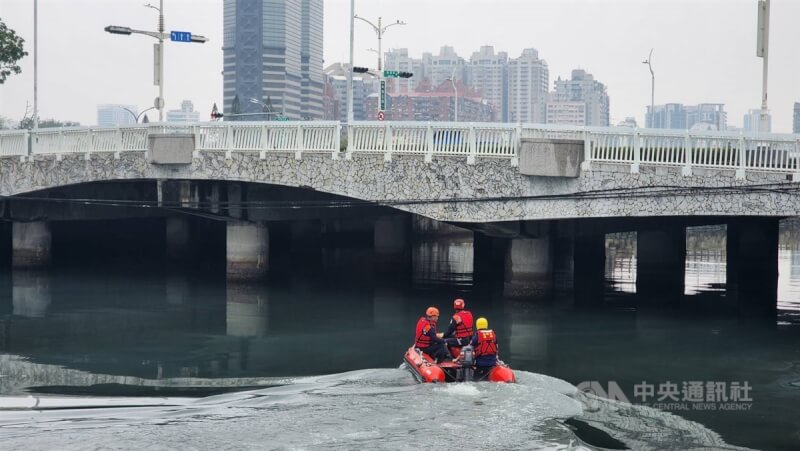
x=424 y=369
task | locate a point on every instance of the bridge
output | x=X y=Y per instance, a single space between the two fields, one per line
x=534 y=185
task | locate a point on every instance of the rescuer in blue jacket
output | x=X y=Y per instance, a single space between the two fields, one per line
x=485 y=344
x=427 y=340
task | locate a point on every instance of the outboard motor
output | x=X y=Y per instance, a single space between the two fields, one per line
x=467 y=362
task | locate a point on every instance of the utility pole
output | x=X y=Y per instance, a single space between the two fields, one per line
x=158 y=56
x=762 y=50
x=350 y=72
x=35 y=64
x=380 y=30
x=649 y=62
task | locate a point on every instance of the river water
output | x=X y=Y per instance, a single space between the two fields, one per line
x=132 y=356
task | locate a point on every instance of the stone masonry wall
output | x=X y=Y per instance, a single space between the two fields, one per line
x=488 y=191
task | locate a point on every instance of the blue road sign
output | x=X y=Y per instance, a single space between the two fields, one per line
x=180 y=36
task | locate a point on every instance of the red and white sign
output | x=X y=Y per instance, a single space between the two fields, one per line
x=381 y=115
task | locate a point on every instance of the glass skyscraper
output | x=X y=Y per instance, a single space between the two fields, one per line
x=272 y=52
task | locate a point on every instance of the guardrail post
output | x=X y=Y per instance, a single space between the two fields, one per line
x=117 y=142
x=299 y=143
x=516 y=144
x=688 y=155
x=228 y=141
x=348 y=155
x=586 y=165
x=198 y=141
x=742 y=154
x=28 y=145
x=473 y=144
x=337 y=137
x=637 y=152
x=429 y=144
x=388 y=142
x=796 y=162
x=263 y=143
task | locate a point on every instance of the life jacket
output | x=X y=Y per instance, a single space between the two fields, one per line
x=423 y=327
x=464 y=323
x=487 y=343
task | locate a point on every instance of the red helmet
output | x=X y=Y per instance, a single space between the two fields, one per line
x=458 y=304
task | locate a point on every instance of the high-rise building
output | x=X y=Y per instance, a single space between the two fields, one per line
x=398 y=59
x=704 y=116
x=363 y=86
x=185 y=114
x=487 y=71
x=436 y=105
x=566 y=113
x=796 y=121
x=110 y=115
x=752 y=120
x=582 y=87
x=272 y=52
x=443 y=66
x=528 y=81
x=670 y=115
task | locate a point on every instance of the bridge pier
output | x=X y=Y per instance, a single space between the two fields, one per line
x=31 y=243
x=752 y=269
x=391 y=240
x=528 y=268
x=178 y=237
x=247 y=249
x=661 y=262
x=589 y=266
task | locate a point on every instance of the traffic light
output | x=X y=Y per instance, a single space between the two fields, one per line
x=405 y=74
x=360 y=70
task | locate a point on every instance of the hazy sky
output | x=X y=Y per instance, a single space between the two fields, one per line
x=704 y=49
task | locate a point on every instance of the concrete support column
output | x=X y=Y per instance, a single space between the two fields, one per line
x=488 y=257
x=306 y=237
x=528 y=268
x=247 y=247
x=563 y=260
x=661 y=262
x=752 y=269
x=391 y=239
x=178 y=245
x=589 y=267
x=30 y=244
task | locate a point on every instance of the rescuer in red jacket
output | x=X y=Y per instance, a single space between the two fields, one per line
x=485 y=343
x=460 y=331
x=427 y=340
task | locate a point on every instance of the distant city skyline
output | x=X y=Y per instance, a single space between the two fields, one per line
x=80 y=66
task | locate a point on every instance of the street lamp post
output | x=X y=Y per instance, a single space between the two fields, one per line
x=762 y=50
x=455 y=94
x=380 y=30
x=137 y=116
x=160 y=35
x=265 y=106
x=649 y=62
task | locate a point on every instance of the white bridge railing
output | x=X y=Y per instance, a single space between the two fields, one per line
x=614 y=145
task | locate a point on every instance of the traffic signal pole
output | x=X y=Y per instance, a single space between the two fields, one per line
x=380 y=30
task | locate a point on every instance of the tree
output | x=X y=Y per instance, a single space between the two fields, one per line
x=11 y=51
x=146 y=119
x=27 y=123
